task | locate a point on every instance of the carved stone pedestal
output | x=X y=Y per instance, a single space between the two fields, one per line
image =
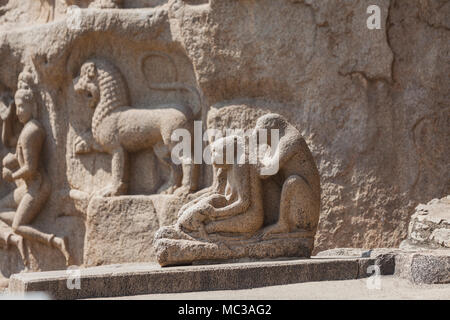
x=186 y=250
x=137 y=218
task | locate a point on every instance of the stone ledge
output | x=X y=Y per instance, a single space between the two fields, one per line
x=138 y=279
x=426 y=267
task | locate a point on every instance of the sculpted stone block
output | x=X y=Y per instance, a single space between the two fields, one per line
x=226 y=222
x=137 y=219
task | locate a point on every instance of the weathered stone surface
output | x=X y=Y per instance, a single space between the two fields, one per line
x=384 y=258
x=372 y=105
x=137 y=217
x=229 y=221
x=425 y=267
x=134 y=279
x=430 y=225
x=418 y=264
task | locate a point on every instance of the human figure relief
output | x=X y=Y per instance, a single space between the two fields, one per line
x=19 y=208
x=300 y=195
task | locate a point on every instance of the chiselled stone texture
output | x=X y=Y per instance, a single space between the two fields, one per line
x=135 y=279
x=137 y=218
x=228 y=222
x=430 y=225
x=424 y=267
x=371 y=105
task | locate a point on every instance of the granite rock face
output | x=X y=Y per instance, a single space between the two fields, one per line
x=425 y=267
x=430 y=225
x=372 y=106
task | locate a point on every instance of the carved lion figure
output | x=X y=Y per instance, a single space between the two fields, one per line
x=118 y=128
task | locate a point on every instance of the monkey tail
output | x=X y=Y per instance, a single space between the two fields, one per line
x=172 y=86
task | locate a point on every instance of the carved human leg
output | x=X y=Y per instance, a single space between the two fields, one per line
x=8 y=237
x=28 y=208
x=237 y=224
x=8 y=206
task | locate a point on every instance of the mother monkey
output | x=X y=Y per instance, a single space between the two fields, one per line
x=300 y=194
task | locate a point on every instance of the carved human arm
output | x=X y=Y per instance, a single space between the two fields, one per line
x=8 y=138
x=7 y=175
x=10 y=161
x=31 y=149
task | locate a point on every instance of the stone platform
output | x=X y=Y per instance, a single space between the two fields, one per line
x=418 y=266
x=139 y=279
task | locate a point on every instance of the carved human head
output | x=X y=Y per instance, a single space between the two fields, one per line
x=87 y=83
x=25 y=105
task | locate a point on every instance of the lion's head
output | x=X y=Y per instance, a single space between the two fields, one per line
x=87 y=84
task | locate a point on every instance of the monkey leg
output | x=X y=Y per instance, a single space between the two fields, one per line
x=242 y=223
x=299 y=209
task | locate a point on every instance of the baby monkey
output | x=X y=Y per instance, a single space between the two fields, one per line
x=235 y=204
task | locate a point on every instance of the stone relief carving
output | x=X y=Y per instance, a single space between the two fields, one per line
x=9 y=127
x=300 y=195
x=226 y=222
x=24 y=168
x=118 y=129
x=102 y=4
x=236 y=209
x=305 y=44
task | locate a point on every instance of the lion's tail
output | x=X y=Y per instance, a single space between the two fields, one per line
x=173 y=86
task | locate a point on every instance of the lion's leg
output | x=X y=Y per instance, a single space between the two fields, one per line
x=119 y=172
x=162 y=152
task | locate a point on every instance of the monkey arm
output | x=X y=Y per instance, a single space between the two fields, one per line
x=284 y=152
x=234 y=209
x=217 y=188
x=220 y=182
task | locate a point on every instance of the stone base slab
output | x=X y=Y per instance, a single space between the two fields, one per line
x=183 y=250
x=137 y=217
x=426 y=267
x=138 y=279
x=418 y=265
